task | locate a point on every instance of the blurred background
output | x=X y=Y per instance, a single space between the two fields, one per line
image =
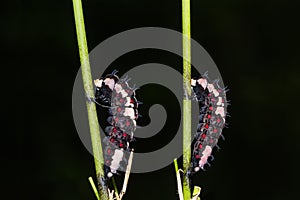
x=255 y=45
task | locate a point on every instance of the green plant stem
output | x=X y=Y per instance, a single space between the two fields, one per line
x=186 y=45
x=115 y=185
x=179 y=185
x=175 y=165
x=88 y=87
x=94 y=187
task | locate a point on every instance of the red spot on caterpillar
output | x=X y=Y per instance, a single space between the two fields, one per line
x=119 y=109
x=210 y=108
x=203 y=136
x=108 y=151
x=121 y=145
x=197 y=156
x=215 y=130
x=206 y=126
x=208 y=116
x=200 y=146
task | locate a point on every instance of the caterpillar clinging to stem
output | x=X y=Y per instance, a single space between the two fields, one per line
x=118 y=97
x=212 y=113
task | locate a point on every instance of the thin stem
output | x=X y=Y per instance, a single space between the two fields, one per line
x=115 y=185
x=179 y=186
x=128 y=169
x=88 y=87
x=94 y=187
x=186 y=45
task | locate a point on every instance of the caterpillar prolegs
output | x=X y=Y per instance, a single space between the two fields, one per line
x=119 y=98
x=212 y=113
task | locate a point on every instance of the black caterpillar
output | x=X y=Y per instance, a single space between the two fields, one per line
x=116 y=95
x=212 y=114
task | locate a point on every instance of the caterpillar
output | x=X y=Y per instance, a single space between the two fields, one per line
x=212 y=113
x=116 y=95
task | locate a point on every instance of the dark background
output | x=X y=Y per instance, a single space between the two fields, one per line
x=255 y=45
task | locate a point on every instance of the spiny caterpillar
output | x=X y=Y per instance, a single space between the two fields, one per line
x=212 y=114
x=116 y=95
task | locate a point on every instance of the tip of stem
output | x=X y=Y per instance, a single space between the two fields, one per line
x=94 y=188
x=176 y=164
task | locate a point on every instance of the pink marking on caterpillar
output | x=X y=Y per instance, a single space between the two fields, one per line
x=205 y=154
x=202 y=82
x=110 y=83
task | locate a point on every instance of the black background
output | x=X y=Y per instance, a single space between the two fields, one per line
x=255 y=45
